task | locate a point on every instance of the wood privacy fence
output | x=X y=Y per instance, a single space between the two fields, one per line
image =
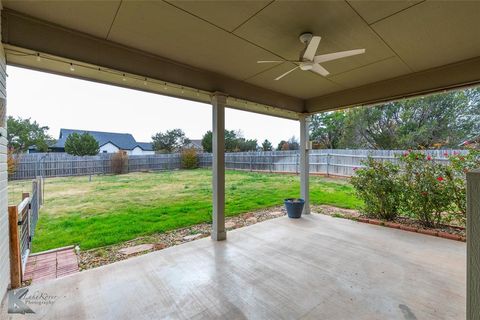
x=339 y=162
x=29 y=166
x=335 y=162
x=22 y=223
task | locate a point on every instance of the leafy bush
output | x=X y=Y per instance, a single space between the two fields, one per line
x=419 y=187
x=81 y=144
x=119 y=162
x=12 y=161
x=456 y=181
x=426 y=194
x=189 y=158
x=377 y=184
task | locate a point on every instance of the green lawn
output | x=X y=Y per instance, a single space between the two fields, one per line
x=112 y=209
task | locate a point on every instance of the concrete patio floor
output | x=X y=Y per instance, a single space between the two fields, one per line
x=317 y=267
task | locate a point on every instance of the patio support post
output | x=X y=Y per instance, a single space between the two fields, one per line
x=473 y=245
x=219 y=101
x=304 y=162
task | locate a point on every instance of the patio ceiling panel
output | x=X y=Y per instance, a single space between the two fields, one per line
x=227 y=15
x=78 y=15
x=433 y=33
x=193 y=42
x=372 y=11
x=381 y=70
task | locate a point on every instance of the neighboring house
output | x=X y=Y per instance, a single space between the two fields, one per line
x=33 y=149
x=196 y=144
x=109 y=142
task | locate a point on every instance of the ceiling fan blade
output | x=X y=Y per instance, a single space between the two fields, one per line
x=337 y=55
x=283 y=75
x=320 y=70
x=312 y=47
x=269 y=61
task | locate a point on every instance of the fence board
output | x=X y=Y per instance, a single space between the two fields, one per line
x=325 y=161
x=338 y=162
x=30 y=166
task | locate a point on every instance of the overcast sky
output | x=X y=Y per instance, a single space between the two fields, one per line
x=61 y=102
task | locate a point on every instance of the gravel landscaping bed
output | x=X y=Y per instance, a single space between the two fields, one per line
x=105 y=255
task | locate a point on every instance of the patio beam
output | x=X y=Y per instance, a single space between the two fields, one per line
x=473 y=245
x=219 y=102
x=304 y=162
x=457 y=75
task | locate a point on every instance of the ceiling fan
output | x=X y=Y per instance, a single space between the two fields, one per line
x=309 y=61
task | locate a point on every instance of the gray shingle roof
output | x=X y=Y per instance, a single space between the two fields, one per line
x=145 y=146
x=124 y=141
x=197 y=142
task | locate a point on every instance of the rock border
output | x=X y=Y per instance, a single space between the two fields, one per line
x=402 y=223
x=109 y=254
x=395 y=225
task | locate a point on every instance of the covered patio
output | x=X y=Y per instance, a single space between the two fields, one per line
x=208 y=52
x=317 y=267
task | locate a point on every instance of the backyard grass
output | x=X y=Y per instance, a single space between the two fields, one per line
x=112 y=209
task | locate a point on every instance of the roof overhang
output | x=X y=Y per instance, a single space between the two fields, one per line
x=192 y=50
x=106 y=62
x=450 y=77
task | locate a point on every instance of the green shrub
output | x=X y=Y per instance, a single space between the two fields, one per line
x=81 y=144
x=426 y=194
x=419 y=187
x=455 y=178
x=377 y=184
x=189 y=158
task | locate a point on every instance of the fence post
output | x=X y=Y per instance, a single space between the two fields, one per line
x=25 y=195
x=15 y=257
x=39 y=189
x=42 y=190
x=328 y=164
x=251 y=161
x=296 y=161
x=271 y=161
x=34 y=189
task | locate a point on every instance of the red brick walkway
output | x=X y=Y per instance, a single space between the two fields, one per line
x=51 y=265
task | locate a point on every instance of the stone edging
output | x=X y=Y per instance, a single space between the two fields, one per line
x=52 y=250
x=394 y=225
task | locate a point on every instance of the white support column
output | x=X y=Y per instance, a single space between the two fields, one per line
x=219 y=102
x=304 y=162
x=473 y=245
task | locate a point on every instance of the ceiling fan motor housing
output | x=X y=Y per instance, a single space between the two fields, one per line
x=306 y=37
x=307 y=65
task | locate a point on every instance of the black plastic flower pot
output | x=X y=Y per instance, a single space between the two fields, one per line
x=294 y=207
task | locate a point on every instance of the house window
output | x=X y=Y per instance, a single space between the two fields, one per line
x=104 y=151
